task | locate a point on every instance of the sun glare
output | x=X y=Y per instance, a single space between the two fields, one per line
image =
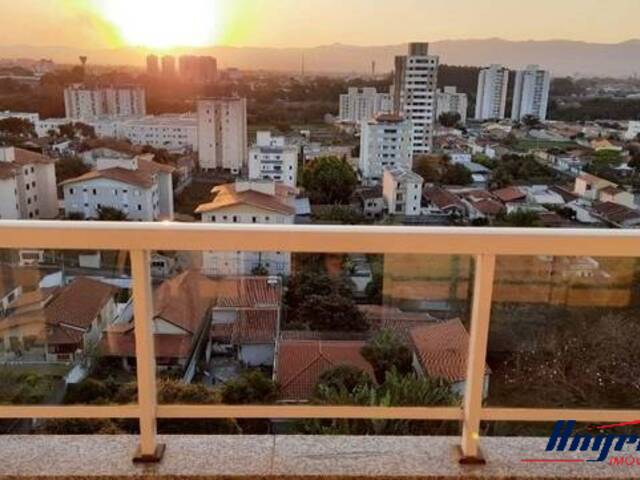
x=162 y=23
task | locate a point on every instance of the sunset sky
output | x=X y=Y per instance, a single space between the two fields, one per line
x=304 y=23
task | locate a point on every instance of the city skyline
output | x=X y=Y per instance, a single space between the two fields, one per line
x=199 y=23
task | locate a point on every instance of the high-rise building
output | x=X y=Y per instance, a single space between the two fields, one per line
x=153 y=65
x=169 y=66
x=272 y=159
x=531 y=93
x=93 y=103
x=416 y=77
x=491 y=101
x=222 y=134
x=385 y=142
x=450 y=101
x=198 y=69
x=363 y=104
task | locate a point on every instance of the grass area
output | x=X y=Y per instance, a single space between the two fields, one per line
x=530 y=144
x=29 y=385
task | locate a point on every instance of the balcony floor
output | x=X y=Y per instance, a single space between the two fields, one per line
x=205 y=457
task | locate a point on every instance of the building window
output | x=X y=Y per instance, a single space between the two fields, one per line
x=139 y=208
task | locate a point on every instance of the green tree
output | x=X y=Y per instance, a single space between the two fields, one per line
x=342 y=377
x=70 y=167
x=333 y=312
x=520 y=218
x=111 y=214
x=531 y=121
x=456 y=174
x=329 y=180
x=250 y=388
x=449 y=119
x=385 y=352
x=17 y=127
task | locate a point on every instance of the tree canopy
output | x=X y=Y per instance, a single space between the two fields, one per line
x=329 y=180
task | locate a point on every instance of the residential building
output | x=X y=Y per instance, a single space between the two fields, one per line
x=272 y=159
x=153 y=65
x=249 y=201
x=633 y=131
x=416 y=77
x=54 y=324
x=370 y=201
x=222 y=134
x=449 y=100
x=198 y=69
x=360 y=105
x=491 y=100
x=27 y=185
x=31 y=117
x=440 y=201
x=595 y=188
x=481 y=205
x=385 y=142
x=84 y=103
x=300 y=363
x=531 y=93
x=616 y=215
x=402 y=191
x=168 y=65
x=140 y=188
x=440 y=350
x=10 y=289
x=176 y=133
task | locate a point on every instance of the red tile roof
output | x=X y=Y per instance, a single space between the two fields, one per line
x=253 y=327
x=509 y=194
x=27 y=157
x=227 y=196
x=442 y=349
x=441 y=198
x=7 y=170
x=300 y=363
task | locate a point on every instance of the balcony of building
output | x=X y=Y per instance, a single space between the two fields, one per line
x=510 y=333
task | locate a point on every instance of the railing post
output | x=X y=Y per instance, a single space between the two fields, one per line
x=148 y=451
x=480 y=315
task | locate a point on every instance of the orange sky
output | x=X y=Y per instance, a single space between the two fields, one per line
x=280 y=23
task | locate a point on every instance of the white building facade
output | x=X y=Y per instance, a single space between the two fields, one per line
x=531 y=93
x=92 y=103
x=271 y=159
x=402 y=191
x=450 y=101
x=364 y=104
x=27 y=185
x=385 y=142
x=491 y=100
x=416 y=77
x=176 y=133
x=222 y=134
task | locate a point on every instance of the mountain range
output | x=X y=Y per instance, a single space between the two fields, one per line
x=562 y=57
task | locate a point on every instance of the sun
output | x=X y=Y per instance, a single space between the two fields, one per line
x=162 y=24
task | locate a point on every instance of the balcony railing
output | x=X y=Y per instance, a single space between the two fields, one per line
x=484 y=244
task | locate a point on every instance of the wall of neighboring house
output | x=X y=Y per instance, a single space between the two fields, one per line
x=163 y=327
x=257 y=355
x=9 y=205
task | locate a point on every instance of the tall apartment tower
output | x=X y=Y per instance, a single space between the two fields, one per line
x=416 y=77
x=222 y=134
x=531 y=93
x=450 y=100
x=153 y=65
x=197 y=69
x=491 y=101
x=359 y=105
x=169 y=66
x=94 y=103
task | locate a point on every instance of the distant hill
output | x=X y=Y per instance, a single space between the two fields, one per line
x=562 y=57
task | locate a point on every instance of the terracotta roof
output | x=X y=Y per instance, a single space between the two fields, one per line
x=566 y=193
x=487 y=206
x=615 y=213
x=441 y=198
x=253 y=327
x=611 y=190
x=587 y=177
x=509 y=194
x=442 y=349
x=26 y=157
x=7 y=170
x=149 y=167
x=227 y=196
x=301 y=362
x=129 y=177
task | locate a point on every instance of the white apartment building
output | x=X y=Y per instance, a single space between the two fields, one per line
x=176 y=133
x=491 y=100
x=82 y=103
x=385 y=142
x=222 y=134
x=531 y=93
x=271 y=159
x=27 y=185
x=249 y=201
x=633 y=130
x=450 y=101
x=416 y=77
x=360 y=105
x=402 y=191
x=140 y=188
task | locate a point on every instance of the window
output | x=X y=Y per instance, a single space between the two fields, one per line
x=71 y=191
x=139 y=208
x=95 y=191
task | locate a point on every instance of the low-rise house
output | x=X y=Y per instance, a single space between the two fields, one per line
x=543 y=195
x=10 y=289
x=616 y=215
x=402 y=191
x=27 y=185
x=140 y=188
x=370 y=201
x=510 y=195
x=439 y=201
x=54 y=324
x=598 y=189
x=249 y=201
x=441 y=350
x=481 y=205
x=617 y=195
x=300 y=363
